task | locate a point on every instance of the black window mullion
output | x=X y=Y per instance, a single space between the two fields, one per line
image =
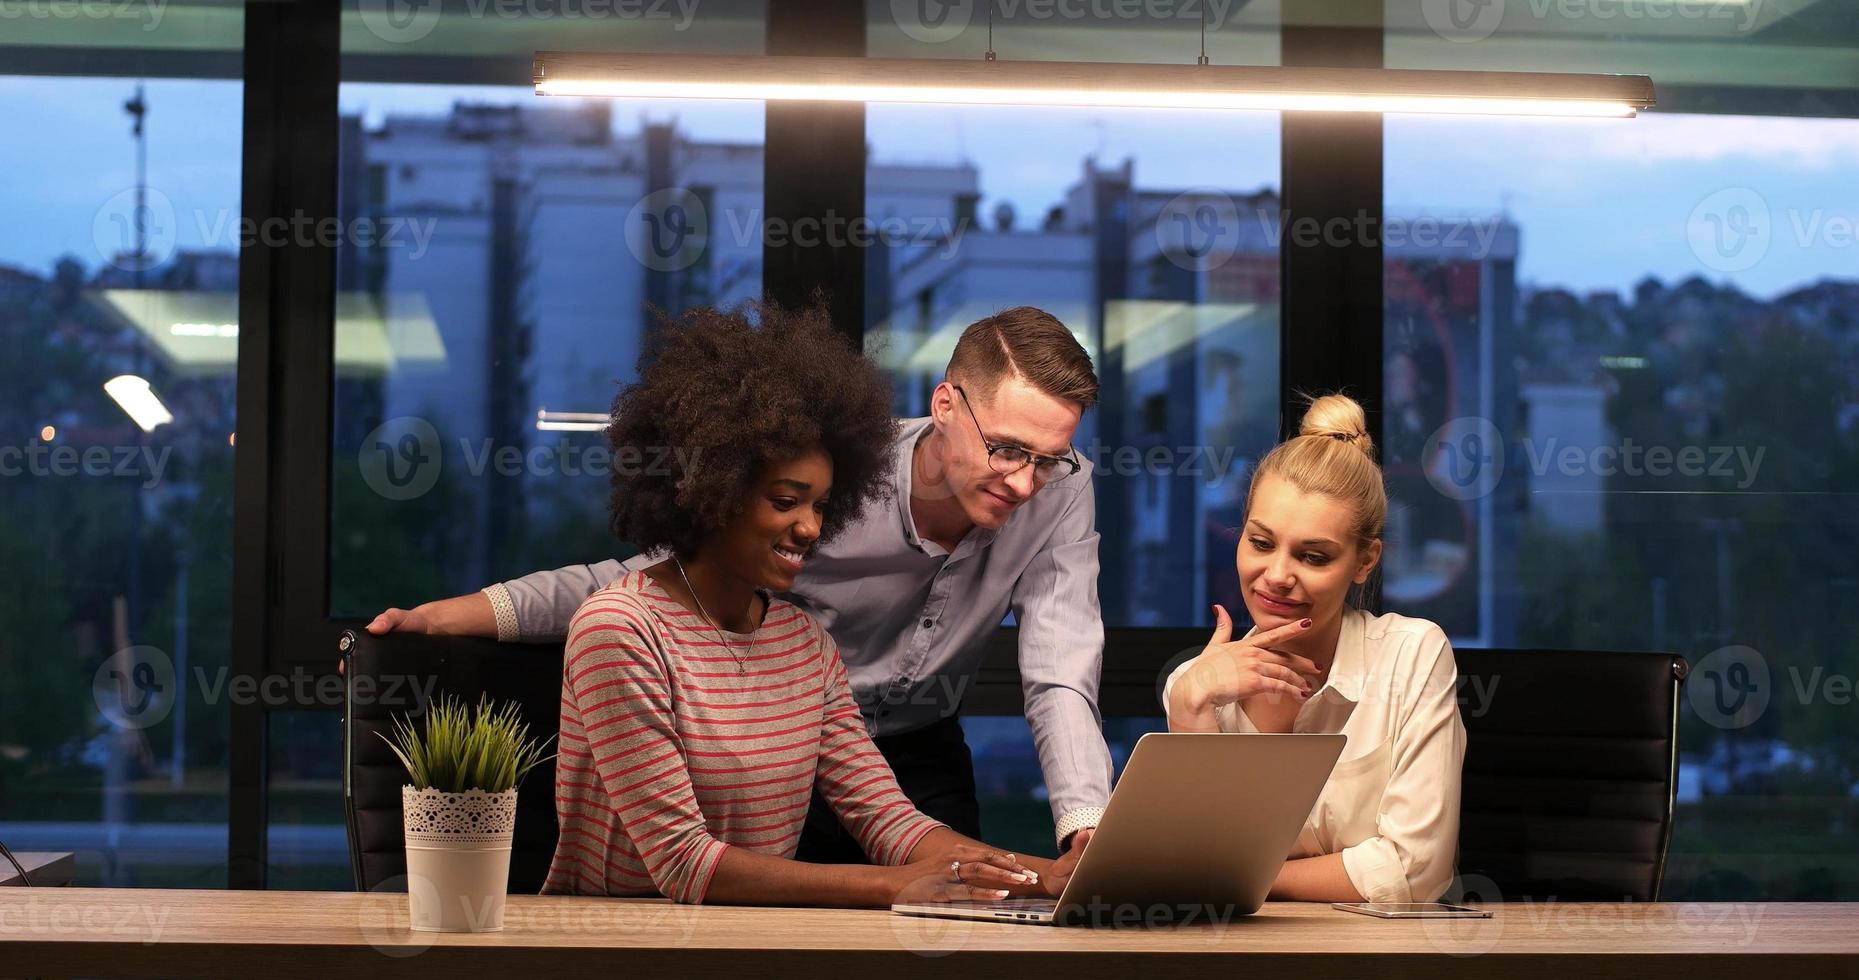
x=1330 y=326
x=813 y=177
x=286 y=317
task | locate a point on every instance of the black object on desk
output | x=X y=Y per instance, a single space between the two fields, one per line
x=45 y=868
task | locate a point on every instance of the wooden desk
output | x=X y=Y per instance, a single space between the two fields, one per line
x=45 y=868
x=131 y=932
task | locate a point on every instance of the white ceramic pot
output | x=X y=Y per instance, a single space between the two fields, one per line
x=458 y=858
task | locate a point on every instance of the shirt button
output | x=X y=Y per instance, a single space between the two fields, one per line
x=928 y=622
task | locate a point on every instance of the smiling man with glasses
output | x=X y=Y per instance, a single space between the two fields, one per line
x=993 y=512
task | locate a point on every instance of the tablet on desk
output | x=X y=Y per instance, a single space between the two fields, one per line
x=1412 y=910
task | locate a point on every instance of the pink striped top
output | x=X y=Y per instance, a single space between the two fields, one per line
x=670 y=755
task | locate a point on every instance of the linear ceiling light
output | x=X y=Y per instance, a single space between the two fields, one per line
x=1066 y=83
x=547 y=421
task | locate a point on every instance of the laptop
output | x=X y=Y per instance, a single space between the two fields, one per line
x=1196 y=830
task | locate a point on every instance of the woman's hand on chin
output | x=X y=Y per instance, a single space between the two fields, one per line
x=1230 y=670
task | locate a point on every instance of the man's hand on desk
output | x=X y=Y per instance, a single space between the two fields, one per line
x=1067 y=863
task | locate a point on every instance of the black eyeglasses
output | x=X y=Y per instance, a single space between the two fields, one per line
x=1007 y=459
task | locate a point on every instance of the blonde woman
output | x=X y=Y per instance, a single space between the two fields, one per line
x=1386 y=826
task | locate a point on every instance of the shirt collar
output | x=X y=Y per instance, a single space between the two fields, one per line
x=1346 y=671
x=902 y=451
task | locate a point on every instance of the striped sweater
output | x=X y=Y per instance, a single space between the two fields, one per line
x=670 y=755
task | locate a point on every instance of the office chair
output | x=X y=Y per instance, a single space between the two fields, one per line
x=397 y=666
x=1571 y=766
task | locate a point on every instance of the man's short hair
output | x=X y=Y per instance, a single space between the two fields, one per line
x=1028 y=343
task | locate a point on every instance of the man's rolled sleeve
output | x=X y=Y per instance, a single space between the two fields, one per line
x=1061 y=663
x=538 y=607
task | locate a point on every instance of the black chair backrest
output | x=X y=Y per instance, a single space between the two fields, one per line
x=1571 y=765
x=389 y=676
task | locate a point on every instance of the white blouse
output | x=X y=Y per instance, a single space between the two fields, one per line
x=1391 y=805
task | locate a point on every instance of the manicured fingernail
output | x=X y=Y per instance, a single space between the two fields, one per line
x=1000 y=893
x=1022 y=879
x=1304 y=624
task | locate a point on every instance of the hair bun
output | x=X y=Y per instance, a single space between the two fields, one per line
x=1341 y=418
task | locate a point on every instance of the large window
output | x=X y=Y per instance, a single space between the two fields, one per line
x=1622 y=411
x=119 y=321
x=517 y=245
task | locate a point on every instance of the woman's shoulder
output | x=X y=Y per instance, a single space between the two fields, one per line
x=1419 y=641
x=791 y=618
x=625 y=603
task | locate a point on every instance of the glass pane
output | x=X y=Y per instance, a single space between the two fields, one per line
x=1015 y=813
x=1622 y=414
x=119 y=318
x=1153 y=235
x=516 y=243
x=307 y=833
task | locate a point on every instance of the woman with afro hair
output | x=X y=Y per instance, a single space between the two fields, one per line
x=700 y=713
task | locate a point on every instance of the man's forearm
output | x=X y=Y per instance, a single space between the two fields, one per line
x=465 y=615
x=1073 y=756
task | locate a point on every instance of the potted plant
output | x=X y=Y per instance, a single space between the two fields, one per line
x=459 y=812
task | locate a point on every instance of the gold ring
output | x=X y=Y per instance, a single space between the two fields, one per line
x=955 y=868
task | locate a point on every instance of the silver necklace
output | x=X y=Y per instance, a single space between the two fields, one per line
x=705 y=613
